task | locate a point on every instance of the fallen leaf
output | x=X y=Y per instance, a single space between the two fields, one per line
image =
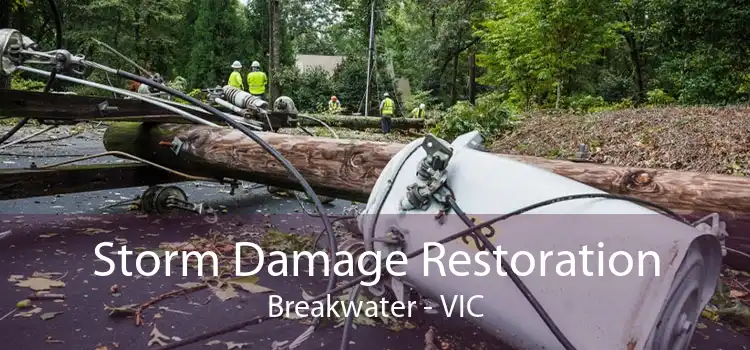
x=232 y=345
x=700 y=325
x=213 y=342
x=225 y=292
x=23 y=304
x=90 y=231
x=157 y=338
x=29 y=313
x=248 y=283
x=37 y=283
x=277 y=345
x=15 y=278
x=737 y=294
x=305 y=296
x=50 y=340
x=49 y=235
x=102 y=347
x=114 y=289
x=49 y=315
x=176 y=246
x=189 y=285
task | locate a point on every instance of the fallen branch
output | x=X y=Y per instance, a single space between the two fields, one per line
x=139 y=310
x=363 y=123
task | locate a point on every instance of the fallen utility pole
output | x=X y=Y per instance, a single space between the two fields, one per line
x=362 y=123
x=348 y=169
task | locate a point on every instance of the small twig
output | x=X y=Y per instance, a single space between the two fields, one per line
x=738 y=252
x=146 y=305
x=45 y=296
x=8 y=314
x=63 y=276
x=225 y=330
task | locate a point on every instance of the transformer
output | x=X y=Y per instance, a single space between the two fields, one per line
x=656 y=311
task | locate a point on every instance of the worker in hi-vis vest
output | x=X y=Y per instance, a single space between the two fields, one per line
x=235 y=79
x=418 y=112
x=256 y=81
x=386 y=113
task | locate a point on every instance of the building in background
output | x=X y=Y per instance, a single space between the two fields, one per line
x=327 y=63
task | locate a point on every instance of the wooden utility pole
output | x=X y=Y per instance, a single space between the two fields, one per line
x=348 y=169
x=353 y=165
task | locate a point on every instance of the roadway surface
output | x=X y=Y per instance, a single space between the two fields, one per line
x=59 y=234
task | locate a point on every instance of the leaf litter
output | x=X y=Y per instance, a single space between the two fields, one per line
x=40 y=283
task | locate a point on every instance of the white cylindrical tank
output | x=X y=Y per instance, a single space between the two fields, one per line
x=655 y=311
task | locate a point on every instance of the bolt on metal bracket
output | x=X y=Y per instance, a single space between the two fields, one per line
x=176 y=146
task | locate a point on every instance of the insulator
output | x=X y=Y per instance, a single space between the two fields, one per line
x=243 y=99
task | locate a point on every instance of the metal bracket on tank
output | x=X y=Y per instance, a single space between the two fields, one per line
x=716 y=227
x=431 y=174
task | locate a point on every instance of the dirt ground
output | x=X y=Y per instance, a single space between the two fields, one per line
x=703 y=139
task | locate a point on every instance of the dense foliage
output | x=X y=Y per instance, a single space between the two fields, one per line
x=529 y=54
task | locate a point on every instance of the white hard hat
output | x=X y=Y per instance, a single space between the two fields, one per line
x=255 y=64
x=236 y=64
x=385 y=94
x=421 y=106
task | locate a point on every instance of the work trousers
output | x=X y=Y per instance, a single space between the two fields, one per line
x=385 y=124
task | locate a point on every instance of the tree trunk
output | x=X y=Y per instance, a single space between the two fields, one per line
x=635 y=58
x=275 y=61
x=362 y=123
x=454 y=88
x=472 y=77
x=354 y=165
x=348 y=169
x=4 y=23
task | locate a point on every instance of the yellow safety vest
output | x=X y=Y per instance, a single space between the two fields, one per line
x=417 y=113
x=387 y=107
x=235 y=80
x=256 y=82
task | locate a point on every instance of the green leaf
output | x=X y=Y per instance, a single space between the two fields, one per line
x=49 y=315
x=248 y=283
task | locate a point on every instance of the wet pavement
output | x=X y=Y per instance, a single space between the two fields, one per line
x=59 y=234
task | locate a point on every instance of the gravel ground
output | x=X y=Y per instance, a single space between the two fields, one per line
x=59 y=234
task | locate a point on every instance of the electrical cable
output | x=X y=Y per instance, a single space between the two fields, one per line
x=48 y=86
x=273 y=152
x=21 y=140
x=465 y=232
x=52 y=139
x=14 y=129
x=135 y=95
x=559 y=335
x=132 y=157
x=330 y=129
